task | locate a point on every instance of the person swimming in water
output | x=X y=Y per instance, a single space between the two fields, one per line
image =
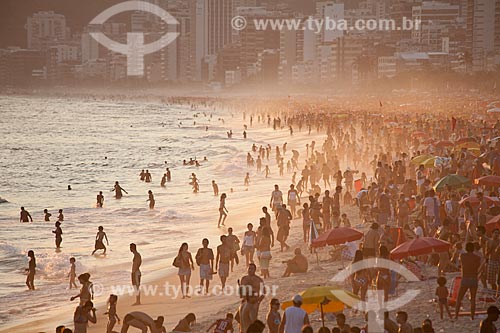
x=151 y=200
x=147 y=177
x=47 y=215
x=118 y=190
x=60 y=217
x=58 y=232
x=25 y=216
x=222 y=210
x=99 y=244
x=100 y=200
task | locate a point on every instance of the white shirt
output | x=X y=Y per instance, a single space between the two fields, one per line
x=419 y=231
x=294 y=319
x=430 y=205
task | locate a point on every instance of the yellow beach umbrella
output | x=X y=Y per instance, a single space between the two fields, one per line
x=322 y=298
x=420 y=158
x=469 y=145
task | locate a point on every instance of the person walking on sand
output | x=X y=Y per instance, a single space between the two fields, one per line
x=118 y=190
x=222 y=210
x=205 y=259
x=222 y=260
x=100 y=200
x=25 y=216
x=30 y=279
x=136 y=273
x=151 y=200
x=293 y=200
x=233 y=242
x=58 y=232
x=112 y=315
x=99 y=244
x=184 y=261
x=276 y=199
x=248 y=245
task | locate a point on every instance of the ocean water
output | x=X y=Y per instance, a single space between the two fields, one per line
x=49 y=143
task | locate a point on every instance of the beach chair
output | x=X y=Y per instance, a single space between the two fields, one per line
x=488 y=297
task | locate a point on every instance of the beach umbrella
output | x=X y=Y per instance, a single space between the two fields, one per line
x=428 y=141
x=323 y=298
x=493 y=223
x=419 y=134
x=444 y=143
x=419 y=246
x=469 y=145
x=474 y=201
x=452 y=180
x=429 y=163
x=463 y=140
x=417 y=160
x=493 y=110
x=337 y=236
x=488 y=181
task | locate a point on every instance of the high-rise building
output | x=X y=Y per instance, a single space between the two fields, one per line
x=45 y=29
x=437 y=20
x=480 y=37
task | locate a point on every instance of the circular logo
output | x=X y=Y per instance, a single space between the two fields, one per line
x=239 y=23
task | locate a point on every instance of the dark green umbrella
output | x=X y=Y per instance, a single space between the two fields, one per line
x=453 y=180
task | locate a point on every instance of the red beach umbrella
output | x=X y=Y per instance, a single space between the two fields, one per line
x=428 y=141
x=493 y=223
x=488 y=181
x=337 y=236
x=419 y=134
x=474 y=201
x=419 y=246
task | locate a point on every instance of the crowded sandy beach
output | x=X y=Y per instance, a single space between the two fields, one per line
x=317 y=187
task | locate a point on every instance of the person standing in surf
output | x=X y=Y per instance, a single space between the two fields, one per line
x=30 y=279
x=169 y=175
x=136 y=273
x=25 y=216
x=215 y=187
x=99 y=244
x=58 y=233
x=100 y=200
x=46 y=215
x=222 y=210
x=163 y=180
x=118 y=190
x=151 y=200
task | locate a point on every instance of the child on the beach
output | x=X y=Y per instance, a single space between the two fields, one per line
x=345 y=220
x=112 y=315
x=72 y=273
x=442 y=294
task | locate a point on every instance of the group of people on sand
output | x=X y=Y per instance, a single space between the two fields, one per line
x=396 y=191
